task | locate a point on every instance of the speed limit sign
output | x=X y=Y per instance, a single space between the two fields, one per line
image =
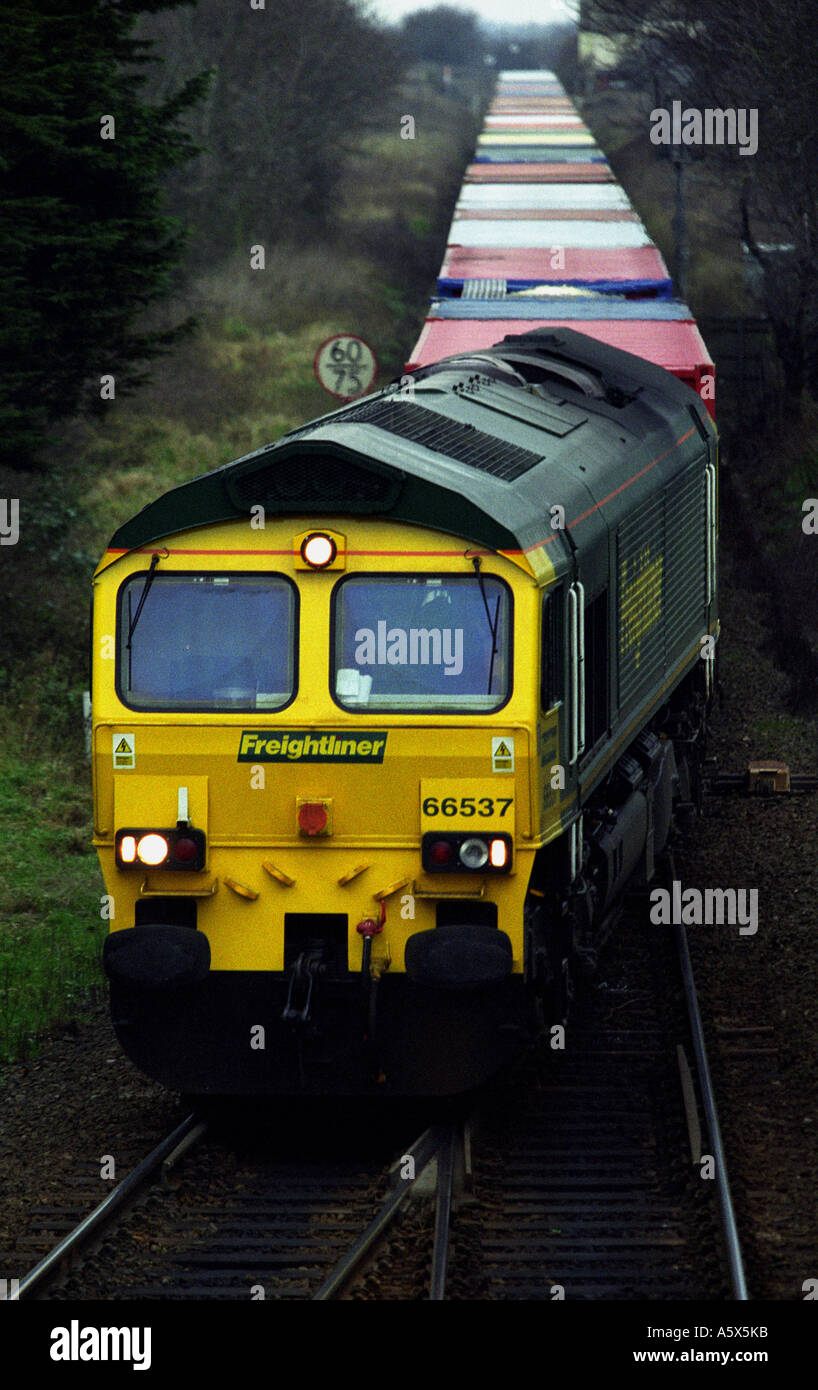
x=346 y=366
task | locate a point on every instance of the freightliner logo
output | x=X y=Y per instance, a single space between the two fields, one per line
x=311 y=746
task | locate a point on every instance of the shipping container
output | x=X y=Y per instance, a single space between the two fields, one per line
x=489 y=197
x=676 y=345
x=639 y=269
x=542 y=172
x=579 y=232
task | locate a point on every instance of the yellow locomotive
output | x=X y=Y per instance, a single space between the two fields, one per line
x=386 y=715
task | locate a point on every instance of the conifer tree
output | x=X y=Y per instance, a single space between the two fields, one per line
x=84 y=244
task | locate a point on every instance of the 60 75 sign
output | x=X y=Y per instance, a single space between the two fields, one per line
x=346 y=366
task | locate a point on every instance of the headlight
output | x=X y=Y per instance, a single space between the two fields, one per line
x=318 y=550
x=152 y=849
x=474 y=853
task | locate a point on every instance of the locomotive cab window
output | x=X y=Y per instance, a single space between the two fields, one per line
x=422 y=642
x=553 y=639
x=206 y=642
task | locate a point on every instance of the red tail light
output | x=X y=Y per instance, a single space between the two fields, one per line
x=185 y=850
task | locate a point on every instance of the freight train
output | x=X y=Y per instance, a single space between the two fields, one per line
x=386 y=715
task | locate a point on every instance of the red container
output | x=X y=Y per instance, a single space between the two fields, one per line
x=540 y=173
x=545 y=214
x=677 y=346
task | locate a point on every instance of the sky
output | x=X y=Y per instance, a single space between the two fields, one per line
x=499 y=11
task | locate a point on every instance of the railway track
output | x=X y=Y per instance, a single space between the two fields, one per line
x=610 y=1182
x=84 y=1235
x=241 y=1226
x=436 y=1147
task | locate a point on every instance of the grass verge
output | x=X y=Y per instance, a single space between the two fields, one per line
x=51 y=931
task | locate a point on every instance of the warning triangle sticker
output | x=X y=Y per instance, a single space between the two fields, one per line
x=502 y=751
x=123 y=747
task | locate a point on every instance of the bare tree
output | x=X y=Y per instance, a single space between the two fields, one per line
x=294 y=86
x=443 y=34
x=755 y=55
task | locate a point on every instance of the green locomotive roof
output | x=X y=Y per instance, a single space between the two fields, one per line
x=478 y=446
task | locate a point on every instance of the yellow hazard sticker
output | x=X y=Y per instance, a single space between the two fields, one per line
x=124 y=751
x=502 y=754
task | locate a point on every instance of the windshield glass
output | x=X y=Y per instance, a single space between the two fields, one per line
x=208 y=642
x=418 y=642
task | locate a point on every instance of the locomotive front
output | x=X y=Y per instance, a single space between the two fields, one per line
x=313 y=730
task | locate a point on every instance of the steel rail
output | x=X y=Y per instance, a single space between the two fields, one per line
x=727 y=1214
x=422 y=1152
x=443 y=1211
x=115 y=1199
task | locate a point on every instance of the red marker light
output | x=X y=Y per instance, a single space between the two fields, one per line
x=441 y=852
x=312 y=818
x=185 y=851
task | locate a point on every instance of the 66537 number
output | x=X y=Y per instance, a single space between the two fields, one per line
x=467 y=806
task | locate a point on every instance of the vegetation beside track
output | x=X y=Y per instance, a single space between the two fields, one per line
x=51 y=930
x=770 y=453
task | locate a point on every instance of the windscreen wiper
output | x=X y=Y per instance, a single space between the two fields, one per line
x=155 y=558
x=475 y=559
